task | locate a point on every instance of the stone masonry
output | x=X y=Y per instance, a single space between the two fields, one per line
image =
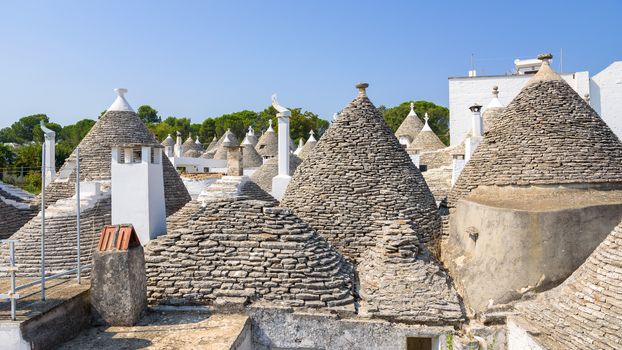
x=240 y=250
x=401 y=282
x=113 y=128
x=584 y=312
x=548 y=135
x=356 y=175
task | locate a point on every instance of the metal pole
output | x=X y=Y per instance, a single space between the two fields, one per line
x=12 y=263
x=43 y=222
x=78 y=208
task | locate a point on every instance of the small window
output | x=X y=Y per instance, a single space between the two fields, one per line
x=416 y=343
x=136 y=155
x=423 y=167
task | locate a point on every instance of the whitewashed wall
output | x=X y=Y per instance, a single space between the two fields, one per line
x=606 y=96
x=465 y=91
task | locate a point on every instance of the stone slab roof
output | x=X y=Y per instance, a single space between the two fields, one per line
x=548 y=135
x=400 y=281
x=270 y=168
x=60 y=238
x=112 y=129
x=268 y=144
x=250 y=157
x=221 y=150
x=306 y=149
x=584 y=312
x=426 y=140
x=358 y=173
x=245 y=250
x=411 y=125
x=12 y=218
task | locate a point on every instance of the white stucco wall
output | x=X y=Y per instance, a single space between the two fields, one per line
x=606 y=96
x=466 y=91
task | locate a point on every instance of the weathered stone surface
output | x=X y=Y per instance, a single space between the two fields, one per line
x=400 y=281
x=113 y=128
x=426 y=140
x=270 y=168
x=244 y=248
x=12 y=218
x=357 y=174
x=268 y=144
x=118 y=286
x=585 y=311
x=60 y=240
x=548 y=135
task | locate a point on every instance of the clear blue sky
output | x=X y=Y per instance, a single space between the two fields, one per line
x=203 y=58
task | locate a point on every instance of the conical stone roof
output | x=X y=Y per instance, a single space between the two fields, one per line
x=221 y=150
x=268 y=144
x=115 y=127
x=357 y=174
x=250 y=157
x=411 y=125
x=426 y=140
x=280 y=259
x=270 y=168
x=212 y=144
x=168 y=141
x=585 y=311
x=306 y=149
x=548 y=135
x=493 y=110
x=188 y=145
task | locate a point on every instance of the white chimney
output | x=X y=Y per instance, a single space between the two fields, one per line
x=177 y=149
x=138 y=189
x=280 y=182
x=476 y=131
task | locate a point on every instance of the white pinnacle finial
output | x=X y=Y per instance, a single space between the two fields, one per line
x=251 y=132
x=120 y=104
x=197 y=141
x=270 y=125
x=283 y=112
x=412 y=112
x=426 y=127
x=311 y=138
x=495 y=102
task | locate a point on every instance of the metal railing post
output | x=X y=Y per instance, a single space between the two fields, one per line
x=78 y=210
x=43 y=222
x=12 y=263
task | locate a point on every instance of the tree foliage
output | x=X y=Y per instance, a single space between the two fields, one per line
x=148 y=115
x=439 y=116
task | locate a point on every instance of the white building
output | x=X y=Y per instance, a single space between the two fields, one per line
x=604 y=89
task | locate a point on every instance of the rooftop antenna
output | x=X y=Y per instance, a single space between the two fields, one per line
x=561 y=60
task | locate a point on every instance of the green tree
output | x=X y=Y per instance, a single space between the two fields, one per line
x=148 y=114
x=439 y=117
x=28 y=156
x=22 y=130
x=72 y=134
x=7 y=157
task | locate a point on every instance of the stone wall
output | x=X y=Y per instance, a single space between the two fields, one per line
x=285 y=329
x=400 y=281
x=238 y=250
x=60 y=240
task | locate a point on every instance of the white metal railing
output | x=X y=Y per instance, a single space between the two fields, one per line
x=12 y=269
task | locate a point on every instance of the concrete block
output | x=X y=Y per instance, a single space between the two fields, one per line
x=118 y=287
